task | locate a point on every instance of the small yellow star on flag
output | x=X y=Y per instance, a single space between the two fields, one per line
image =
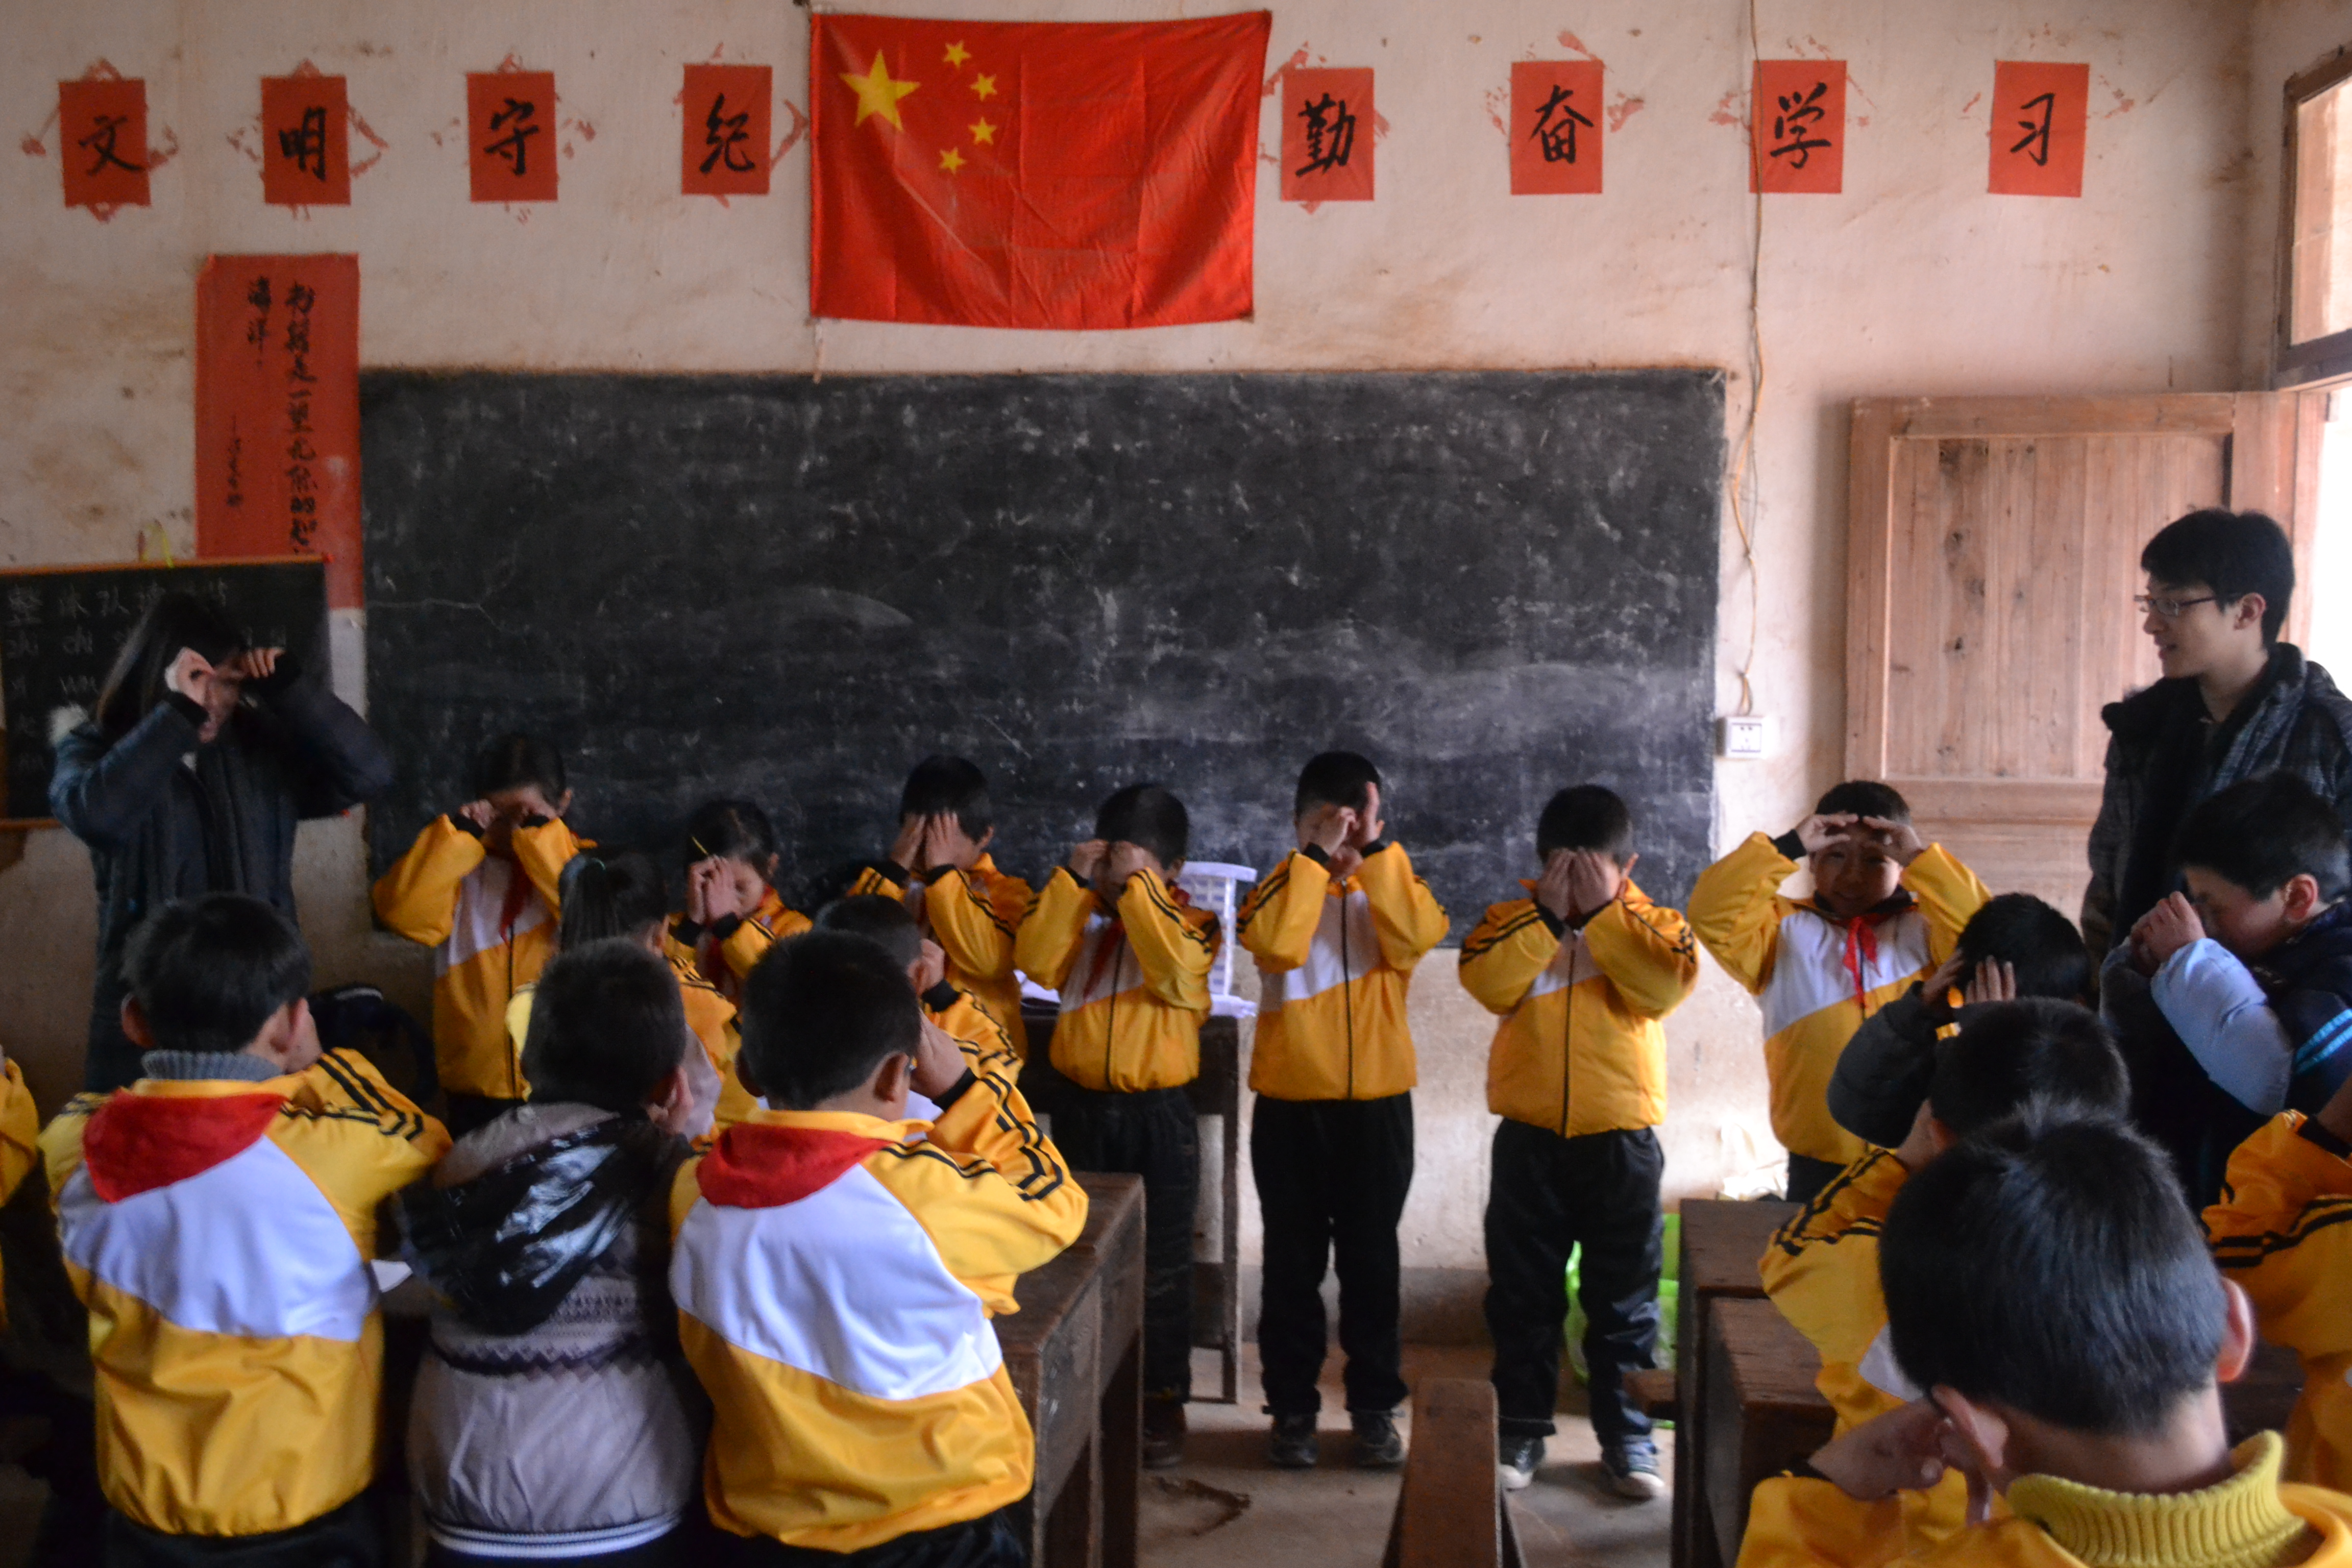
x=982 y=130
x=952 y=160
x=877 y=94
x=983 y=87
x=957 y=53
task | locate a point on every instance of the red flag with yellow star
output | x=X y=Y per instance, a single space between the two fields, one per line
x=1034 y=173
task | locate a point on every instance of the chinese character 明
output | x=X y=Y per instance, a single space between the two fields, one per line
x=1331 y=135
x=725 y=136
x=1558 y=136
x=2035 y=144
x=100 y=143
x=515 y=145
x=306 y=143
x=1799 y=121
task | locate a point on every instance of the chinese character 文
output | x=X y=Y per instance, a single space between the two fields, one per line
x=1557 y=136
x=515 y=146
x=1331 y=135
x=2035 y=143
x=1795 y=128
x=106 y=129
x=305 y=145
x=726 y=137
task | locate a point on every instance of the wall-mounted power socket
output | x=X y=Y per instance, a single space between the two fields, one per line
x=1740 y=736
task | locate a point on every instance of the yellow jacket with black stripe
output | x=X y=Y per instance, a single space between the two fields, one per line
x=723 y=952
x=1794 y=959
x=1133 y=976
x=2284 y=1231
x=1334 y=958
x=835 y=1284
x=1582 y=1047
x=975 y=917
x=220 y=1233
x=709 y=1018
x=451 y=895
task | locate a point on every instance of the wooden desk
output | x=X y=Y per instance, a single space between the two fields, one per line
x=1721 y=1241
x=1763 y=1413
x=1075 y=1353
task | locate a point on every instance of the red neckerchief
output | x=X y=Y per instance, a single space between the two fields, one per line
x=1116 y=936
x=517 y=890
x=1861 y=941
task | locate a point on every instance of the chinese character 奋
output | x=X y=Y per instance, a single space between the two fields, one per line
x=1555 y=124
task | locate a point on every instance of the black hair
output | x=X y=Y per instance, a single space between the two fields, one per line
x=607 y=1028
x=2010 y=1054
x=950 y=787
x=2051 y=1263
x=2040 y=946
x=2263 y=833
x=880 y=918
x=209 y=972
x=1148 y=817
x=1863 y=797
x=731 y=830
x=1585 y=816
x=134 y=682
x=2234 y=553
x=1336 y=778
x=821 y=1012
x=515 y=761
x=608 y=896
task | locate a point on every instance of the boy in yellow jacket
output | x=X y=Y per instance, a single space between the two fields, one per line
x=834 y=1281
x=1581 y=972
x=480 y=888
x=1335 y=929
x=218 y=1218
x=2047 y=1284
x=1885 y=911
x=1130 y=957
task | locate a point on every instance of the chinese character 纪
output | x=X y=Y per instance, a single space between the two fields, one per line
x=515 y=145
x=306 y=144
x=24 y=607
x=1800 y=122
x=1331 y=135
x=725 y=136
x=100 y=142
x=2035 y=143
x=1558 y=136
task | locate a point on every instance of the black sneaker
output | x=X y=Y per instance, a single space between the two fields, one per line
x=1379 y=1444
x=1517 y=1459
x=1632 y=1467
x=1291 y=1445
x=1163 y=1434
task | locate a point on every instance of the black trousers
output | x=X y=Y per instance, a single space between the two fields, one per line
x=348 y=1536
x=1332 y=1176
x=1150 y=1134
x=1548 y=1194
x=1807 y=1176
x=987 y=1542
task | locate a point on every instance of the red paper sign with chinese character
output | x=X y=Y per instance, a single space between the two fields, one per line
x=1082 y=174
x=1797 y=127
x=305 y=143
x=1555 y=128
x=2041 y=114
x=102 y=133
x=728 y=111
x=511 y=122
x=1326 y=136
x=278 y=412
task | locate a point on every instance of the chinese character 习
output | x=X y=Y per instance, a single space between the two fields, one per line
x=2035 y=143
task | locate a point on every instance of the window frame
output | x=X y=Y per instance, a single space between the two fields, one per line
x=2324 y=358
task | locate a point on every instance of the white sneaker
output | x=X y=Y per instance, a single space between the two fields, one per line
x=1632 y=1471
x=1517 y=1460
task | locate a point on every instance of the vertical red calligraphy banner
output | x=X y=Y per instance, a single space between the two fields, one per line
x=1556 y=128
x=510 y=135
x=278 y=412
x=727 y=110
x=306 y=157
x=102 y=133
x=2041 y=116
x=1796 y=125
x=1326 y=135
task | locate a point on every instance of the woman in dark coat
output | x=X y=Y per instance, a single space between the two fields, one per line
x=204 y=754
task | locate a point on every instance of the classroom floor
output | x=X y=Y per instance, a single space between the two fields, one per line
x=1225 y=1504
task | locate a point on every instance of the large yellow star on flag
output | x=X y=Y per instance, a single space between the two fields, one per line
x=877 y=94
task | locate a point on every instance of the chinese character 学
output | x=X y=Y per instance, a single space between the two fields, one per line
x=726 y=137
x=306 y=144
x=515 y=145
x=1796 y=129
x=1555 y=124
x=105 y=130
x=1331 y=135
x=2035 y=143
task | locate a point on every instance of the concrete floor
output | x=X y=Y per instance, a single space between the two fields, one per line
x=1225 y=1504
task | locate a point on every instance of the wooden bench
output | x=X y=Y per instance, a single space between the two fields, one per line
x=1452 y=1512
x=1721 y=1240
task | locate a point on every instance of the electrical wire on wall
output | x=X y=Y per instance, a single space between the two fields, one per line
x=1745 y=511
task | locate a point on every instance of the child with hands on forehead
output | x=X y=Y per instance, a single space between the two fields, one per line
x=733 y=912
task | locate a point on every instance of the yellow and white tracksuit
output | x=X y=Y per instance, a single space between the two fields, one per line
x=20 y=1142
x=1817 y=976
x=490 y=938
x=724 y=952
x=220 y=1232
x=975 y=1027
x=835 y=1284
x=2280 y=1231
x=1582 y=1046
x=1334 y=960
x=1134 y=979
x=975 y=917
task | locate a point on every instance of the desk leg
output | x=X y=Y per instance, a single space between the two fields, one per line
x=1074 y=1531
x=1119 y=1445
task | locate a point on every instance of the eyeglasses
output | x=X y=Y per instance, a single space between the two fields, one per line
x=2169 y=608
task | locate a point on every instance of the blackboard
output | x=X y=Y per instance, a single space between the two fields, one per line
x=61 y=629
x=1494 y=583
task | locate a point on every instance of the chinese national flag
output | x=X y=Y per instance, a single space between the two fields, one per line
x=1034 y=173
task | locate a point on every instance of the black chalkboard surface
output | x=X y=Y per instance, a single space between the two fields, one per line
x=1494 y=583
x=61 y=629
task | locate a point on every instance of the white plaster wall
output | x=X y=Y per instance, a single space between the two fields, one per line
x=1914 y=281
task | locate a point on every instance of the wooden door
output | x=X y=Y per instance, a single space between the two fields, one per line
x=1995 y=551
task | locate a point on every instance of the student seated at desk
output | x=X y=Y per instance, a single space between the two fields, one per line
x=834 y=1281
x=2047 y=1285
x=733 y=912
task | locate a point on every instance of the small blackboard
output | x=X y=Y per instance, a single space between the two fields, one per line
x=61 y=629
